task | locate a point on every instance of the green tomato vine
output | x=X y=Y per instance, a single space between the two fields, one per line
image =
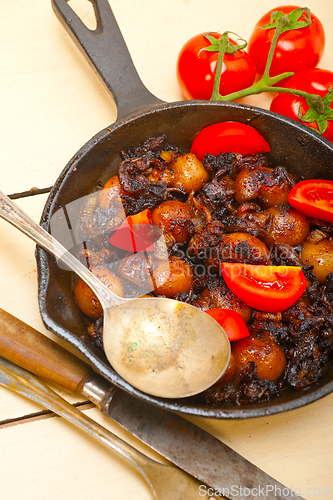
x=319 y=108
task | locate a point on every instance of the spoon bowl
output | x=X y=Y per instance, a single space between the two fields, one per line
x=160 y=346
x=165 y=347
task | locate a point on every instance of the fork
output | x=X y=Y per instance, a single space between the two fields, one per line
x=166 y=482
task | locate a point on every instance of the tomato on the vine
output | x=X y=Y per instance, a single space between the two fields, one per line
x=314 y=198
x=196 y=69
x=313 y=81
x=296 y=49
x=266 y=288
x=231 y=321
x=228 y=137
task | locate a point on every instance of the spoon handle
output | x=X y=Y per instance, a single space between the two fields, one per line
x=22 y=382
x=13 y=214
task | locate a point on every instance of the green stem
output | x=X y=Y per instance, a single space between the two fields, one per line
x=265 y=81
x=315 y=99
x=216 y=89
x=280 y=25
x=257 y=88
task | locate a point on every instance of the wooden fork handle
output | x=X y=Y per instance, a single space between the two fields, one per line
x=33 y=351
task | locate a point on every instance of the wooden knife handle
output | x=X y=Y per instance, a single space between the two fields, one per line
x=30 y=349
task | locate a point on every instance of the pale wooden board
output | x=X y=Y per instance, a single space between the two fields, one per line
x=49 y=459
x=51 y=104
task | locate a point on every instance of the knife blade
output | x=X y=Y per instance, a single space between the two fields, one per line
x=180 y=441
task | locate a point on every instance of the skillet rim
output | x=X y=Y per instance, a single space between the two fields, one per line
x=307 y=396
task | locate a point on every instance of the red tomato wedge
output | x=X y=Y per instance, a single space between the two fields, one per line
x=228 y=137
x=137 y=233
x=266 y=288
x=313 y=198
x=143 y=217
x=231 y=321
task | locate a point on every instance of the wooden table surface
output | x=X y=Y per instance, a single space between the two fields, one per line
x=51 y=104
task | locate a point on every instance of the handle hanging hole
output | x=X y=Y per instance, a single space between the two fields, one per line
x=84 y=9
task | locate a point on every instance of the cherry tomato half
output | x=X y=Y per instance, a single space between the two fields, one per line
x=231 y=321
x=314 y=81
x=228 y=137
x=295 y=50
x=196 y=69
x=313 y=198
x=266 y=288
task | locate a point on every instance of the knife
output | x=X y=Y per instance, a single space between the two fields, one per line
x=180 y=441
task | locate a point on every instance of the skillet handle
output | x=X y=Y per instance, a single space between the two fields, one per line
x=106 y=50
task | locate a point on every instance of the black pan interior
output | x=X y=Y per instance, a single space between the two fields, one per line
x=302 y=151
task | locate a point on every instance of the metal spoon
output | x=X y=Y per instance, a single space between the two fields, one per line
x=160 y=346
x=166 y=482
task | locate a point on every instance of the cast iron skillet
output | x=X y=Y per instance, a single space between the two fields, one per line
x=140 y=116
